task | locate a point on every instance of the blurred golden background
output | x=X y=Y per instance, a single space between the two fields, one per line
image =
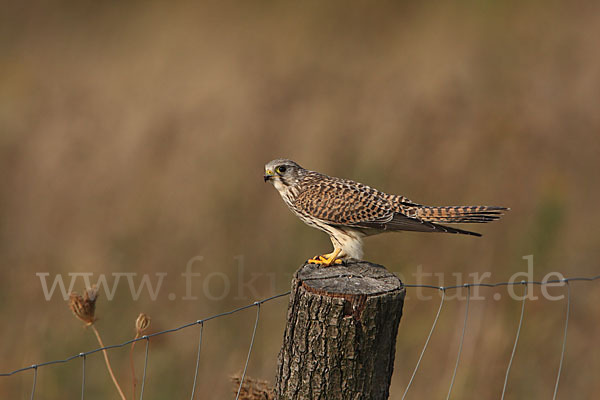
x=133 y=138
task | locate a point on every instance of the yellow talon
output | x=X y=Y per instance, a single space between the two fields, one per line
x=327 y=259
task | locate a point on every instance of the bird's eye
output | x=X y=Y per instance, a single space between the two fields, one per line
x=281 y=169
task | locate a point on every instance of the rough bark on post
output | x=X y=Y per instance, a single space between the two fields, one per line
x=340 y=337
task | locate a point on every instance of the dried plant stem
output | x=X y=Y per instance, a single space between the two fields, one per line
x=132 y=364
x=110 y=371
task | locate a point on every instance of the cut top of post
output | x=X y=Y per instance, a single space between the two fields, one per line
x=357 y=278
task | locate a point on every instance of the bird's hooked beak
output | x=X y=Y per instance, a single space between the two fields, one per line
x=268 y=175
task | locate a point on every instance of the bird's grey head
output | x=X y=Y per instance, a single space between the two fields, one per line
x=283 y=173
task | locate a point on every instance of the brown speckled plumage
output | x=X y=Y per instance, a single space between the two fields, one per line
x=349 y=210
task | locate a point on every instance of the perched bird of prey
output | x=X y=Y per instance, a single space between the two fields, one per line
x=348 y=211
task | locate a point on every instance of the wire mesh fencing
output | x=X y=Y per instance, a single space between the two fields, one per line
x=257 y=304
x=468 y=286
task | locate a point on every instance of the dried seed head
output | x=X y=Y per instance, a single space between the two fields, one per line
x=84 y=307
x=142 y=323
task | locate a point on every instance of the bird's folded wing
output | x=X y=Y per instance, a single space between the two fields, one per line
x=354 y=205
x=338 y=202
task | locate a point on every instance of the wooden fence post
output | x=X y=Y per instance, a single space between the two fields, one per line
x=340 y=337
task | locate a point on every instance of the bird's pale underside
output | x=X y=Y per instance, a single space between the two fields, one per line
x=348 y=211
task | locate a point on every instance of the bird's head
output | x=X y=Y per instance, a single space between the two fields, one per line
x=282 y=173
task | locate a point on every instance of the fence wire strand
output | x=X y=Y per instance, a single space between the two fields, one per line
x=437 y=316
x=462 y=339
x=564 y=343
x=82 y=376
x=197 y=359
x=34 y=381
x=145 y=366
x=249 y=350
x=443 y=289
x=514 y=350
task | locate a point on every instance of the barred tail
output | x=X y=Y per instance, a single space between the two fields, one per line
x=460 y=214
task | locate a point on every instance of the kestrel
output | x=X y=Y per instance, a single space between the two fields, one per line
x=348 y=211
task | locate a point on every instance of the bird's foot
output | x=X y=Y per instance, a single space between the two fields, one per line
x=327 y=259
x=324 y=261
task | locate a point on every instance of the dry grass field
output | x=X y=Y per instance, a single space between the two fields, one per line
x=133 y=138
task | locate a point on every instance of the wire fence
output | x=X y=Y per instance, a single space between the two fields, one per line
x=200 y=323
